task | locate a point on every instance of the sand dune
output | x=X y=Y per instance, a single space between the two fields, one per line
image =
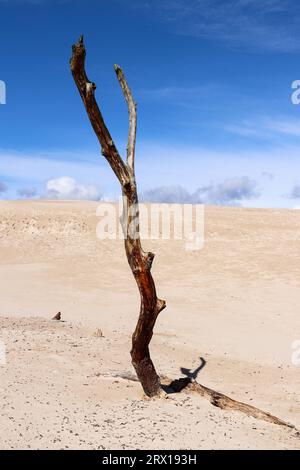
x=235 y=303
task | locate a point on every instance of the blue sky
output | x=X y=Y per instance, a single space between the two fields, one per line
x=212 y=80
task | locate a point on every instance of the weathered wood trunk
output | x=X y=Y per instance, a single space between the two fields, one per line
x=140 y=264
x=139 y=261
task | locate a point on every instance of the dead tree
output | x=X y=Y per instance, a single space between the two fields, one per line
x=139 y=261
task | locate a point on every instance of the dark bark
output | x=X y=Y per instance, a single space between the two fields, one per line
x=139 y=261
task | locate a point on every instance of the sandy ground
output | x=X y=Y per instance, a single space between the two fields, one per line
x=234 y=303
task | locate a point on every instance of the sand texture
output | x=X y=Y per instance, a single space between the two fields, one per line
x=235 y=303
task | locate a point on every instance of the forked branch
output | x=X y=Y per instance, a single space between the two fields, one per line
x=132 y=117
x=87 y=92
x=139 y=261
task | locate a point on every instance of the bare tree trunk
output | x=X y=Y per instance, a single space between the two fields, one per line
x=139 y=261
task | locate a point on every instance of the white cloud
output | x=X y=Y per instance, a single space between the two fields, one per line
x=68 y=188
x=232 y=191
x=168 y=194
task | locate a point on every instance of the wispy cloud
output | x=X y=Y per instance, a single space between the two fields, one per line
x=191 y=96
x=176 y=93
x=290 y=127
x=266 y=127
x=265 y=24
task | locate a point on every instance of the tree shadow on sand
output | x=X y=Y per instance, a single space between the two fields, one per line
x=216 y=398
x=180 y=384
